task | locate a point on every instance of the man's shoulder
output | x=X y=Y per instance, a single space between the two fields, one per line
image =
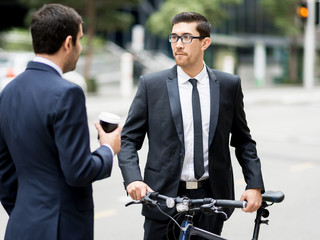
x=219 y=73
x=163 y=74
x=223 y=77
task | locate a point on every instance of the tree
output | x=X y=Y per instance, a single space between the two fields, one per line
x=285 y=19
x=159 y=23
x=99 y=15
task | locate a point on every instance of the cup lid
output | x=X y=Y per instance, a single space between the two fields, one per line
x=109 y=117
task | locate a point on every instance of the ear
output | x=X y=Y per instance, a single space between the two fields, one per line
x=67 y=44
x=206 y=43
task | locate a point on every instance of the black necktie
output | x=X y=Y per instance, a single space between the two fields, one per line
x=197 y=126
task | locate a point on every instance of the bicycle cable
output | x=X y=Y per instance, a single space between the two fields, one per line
x=177 y=216
x=158 y=206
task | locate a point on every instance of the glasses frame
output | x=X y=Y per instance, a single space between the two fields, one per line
x=180 y=37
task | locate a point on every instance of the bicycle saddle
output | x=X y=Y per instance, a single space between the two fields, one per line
x=273 y=196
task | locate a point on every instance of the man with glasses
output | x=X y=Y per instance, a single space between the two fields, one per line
x=189 y=113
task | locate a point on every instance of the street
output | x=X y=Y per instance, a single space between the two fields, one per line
x=284 y=121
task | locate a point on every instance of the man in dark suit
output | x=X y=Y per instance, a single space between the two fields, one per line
x=165 y=109
x=46 y=166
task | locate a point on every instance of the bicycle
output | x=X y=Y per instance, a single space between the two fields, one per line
x=207 y=206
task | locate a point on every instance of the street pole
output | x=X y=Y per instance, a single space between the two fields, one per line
x=260 y=63
x=309 y=47
x=126 y=69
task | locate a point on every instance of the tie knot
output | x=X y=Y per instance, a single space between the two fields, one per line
x=193 y=81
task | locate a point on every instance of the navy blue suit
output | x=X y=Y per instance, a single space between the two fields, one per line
x=46 y=166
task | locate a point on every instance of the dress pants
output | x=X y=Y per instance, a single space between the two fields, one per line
x=157 y=230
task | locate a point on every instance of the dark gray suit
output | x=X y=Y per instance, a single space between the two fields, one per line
x=156 y=111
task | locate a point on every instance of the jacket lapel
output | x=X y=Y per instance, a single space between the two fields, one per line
x=214 y=103
x=174 y=99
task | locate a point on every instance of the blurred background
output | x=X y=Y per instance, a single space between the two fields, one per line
x=272 y=45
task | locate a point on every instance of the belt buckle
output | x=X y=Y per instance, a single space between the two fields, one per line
x=191 y=185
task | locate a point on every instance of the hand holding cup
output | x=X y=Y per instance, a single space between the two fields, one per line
x=109 y=121
x=109 y=131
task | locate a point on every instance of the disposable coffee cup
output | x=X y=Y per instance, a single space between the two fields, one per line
x=109 y=121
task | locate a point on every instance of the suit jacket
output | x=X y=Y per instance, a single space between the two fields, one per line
x=46 y=166
x=156 y=111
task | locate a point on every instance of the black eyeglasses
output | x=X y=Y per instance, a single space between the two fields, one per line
x=184 y=38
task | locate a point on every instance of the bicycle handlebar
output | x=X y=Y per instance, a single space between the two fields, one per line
x=231 y=204
x=151 y=199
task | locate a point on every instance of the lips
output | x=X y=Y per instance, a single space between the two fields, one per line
x=180 y=54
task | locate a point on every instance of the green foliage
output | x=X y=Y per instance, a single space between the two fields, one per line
x=160 y=22
x=20 y=40
x=283 y=13
x=97 y=43
x=113 y=21
x=108 y=14
x=16 y=40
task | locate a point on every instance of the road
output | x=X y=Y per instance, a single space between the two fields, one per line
x=285 y=124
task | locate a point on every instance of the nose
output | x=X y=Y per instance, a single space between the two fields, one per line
x=179 y=43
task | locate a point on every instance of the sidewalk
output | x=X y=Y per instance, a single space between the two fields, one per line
x=110 y=97
x=282 y=95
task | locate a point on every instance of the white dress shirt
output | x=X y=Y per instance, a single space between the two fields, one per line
x=185 y=91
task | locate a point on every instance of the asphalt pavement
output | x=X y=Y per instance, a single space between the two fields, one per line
x=285 y=123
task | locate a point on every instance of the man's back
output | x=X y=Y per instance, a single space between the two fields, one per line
x=37 y=111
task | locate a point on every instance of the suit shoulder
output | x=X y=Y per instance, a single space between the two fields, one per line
x=156 y=75
x=225 y=75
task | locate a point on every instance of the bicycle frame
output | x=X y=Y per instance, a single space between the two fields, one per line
x=187 y=229
x=262 y=212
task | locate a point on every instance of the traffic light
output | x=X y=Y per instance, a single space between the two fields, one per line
x=303 y=11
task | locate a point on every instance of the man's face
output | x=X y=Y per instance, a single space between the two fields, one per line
x=187 y=55
x=75 y=53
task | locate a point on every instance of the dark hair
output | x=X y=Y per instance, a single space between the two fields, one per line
x=51 y=25
x=203 y=25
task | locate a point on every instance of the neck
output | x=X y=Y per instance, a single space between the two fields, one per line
x=193 y=70
x=54 y=58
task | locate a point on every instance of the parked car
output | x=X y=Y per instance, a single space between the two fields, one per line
x=14 y=63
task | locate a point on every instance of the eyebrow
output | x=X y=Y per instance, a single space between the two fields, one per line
x=186 y=33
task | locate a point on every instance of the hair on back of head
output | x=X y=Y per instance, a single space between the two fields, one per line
x=51 y=25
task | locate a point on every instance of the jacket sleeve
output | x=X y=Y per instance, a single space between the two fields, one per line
x=133 y=134
x=245 y=146
x=70 y=126
x=8 y=178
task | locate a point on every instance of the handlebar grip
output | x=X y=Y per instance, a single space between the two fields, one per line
x=231 y=204
x=162 y=197
x=156 y=196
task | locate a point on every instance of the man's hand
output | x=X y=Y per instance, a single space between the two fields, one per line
x=112 y=138
x=138 y=190
x=253 y=197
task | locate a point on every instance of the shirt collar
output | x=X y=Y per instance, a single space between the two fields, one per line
x=183 y=77
x=48 y=62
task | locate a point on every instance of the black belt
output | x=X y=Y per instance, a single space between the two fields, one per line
x=194 y=185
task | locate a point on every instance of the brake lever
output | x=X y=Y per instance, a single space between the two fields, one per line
x=148 y=201
x=145 y=200
x=208 y=209
x=132 y=202
x=221 y=212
